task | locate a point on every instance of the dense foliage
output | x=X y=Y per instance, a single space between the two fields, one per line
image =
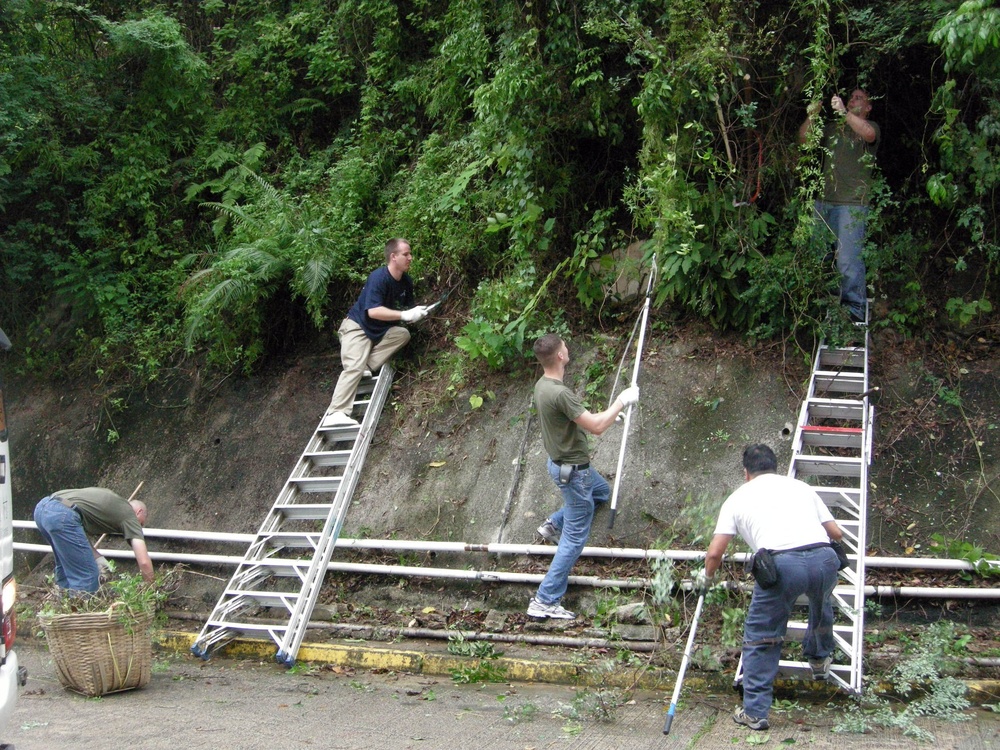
x=220 y=175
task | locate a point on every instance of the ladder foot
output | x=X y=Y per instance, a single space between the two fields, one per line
x=284 y=659
x=200 y=651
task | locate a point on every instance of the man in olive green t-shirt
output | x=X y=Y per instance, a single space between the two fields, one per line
x=850 y=144
x=565 y=426
x=66 y=517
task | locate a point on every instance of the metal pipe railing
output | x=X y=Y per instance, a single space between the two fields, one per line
x=636 y=553
x=508 y=577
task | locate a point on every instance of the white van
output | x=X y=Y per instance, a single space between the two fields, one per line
x=12 y=676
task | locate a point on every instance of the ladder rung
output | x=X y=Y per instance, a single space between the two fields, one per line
x=252 y=628
x=835 y=408
x=853 y=356
x=826 y=466
x=840 y=497
x=316 y=484
x=801 y=670
x=849 y=437
x=340 y=432
x=265 y=598
x=843 y=635
x=797 y=630
x=328 y=458
x=850 y=525
x=255 y=570
x=305 y=511
x=838 y=382
x=285 y=568
x=824 y=430
x=296 y=539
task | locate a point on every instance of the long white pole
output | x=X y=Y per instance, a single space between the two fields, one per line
x=613 y=506
x=685 y=660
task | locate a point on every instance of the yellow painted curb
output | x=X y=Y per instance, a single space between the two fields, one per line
x=364 y=656
x=983 y=691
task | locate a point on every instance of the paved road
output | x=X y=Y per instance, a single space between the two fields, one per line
x=231 y=705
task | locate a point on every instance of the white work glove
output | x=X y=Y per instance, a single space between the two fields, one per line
x=702 y=582
x=414 y=314
x=103 y=568
x=629 y=396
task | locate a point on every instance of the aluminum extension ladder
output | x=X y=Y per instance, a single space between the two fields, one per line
x=284 y=567
x=831 y=450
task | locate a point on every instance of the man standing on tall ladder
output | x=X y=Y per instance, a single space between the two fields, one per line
x=565 y=424
x=368 y=337
x=850 y=145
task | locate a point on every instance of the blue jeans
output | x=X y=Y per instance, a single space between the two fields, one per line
x=813 y=573
x=62 y=529
x=847 y=225
x=580 y=495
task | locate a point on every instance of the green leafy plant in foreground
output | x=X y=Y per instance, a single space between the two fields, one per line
x=458 y=645
x=481 y=671
x=597 y=704
x=983 y=563
x=127 y=596
x=485 y=669
x=524 y=712
x=926 y=670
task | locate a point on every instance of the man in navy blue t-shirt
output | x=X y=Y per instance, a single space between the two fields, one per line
x=368 y=335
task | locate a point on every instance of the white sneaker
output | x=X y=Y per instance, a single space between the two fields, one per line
x=366 y=374
x=538 y=609
x=548 y=531
x=338 y=419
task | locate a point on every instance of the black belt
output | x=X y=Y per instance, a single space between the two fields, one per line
x=804 y=548
x=67 y=504
x=574 y=467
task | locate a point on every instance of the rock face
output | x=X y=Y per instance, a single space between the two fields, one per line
x=214 y=455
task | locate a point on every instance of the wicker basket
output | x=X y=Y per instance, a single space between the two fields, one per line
x=96 y=654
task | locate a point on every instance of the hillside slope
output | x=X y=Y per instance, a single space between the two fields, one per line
x=213 y=455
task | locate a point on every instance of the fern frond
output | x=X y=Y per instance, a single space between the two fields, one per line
x=235 y=212
x=272 y=194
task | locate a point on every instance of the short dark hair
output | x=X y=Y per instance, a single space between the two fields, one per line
x=546 y=348
x=759 y=459
x=393 y=246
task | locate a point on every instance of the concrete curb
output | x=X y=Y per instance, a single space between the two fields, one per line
x=417 y=661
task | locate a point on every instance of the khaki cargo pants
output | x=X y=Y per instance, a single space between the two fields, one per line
x=357 y=354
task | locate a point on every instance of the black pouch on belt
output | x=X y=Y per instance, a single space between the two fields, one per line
x=763 y=569
x=841 y=555
x=565 y=472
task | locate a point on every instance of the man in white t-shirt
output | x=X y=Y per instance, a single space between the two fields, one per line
x=786 y=516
